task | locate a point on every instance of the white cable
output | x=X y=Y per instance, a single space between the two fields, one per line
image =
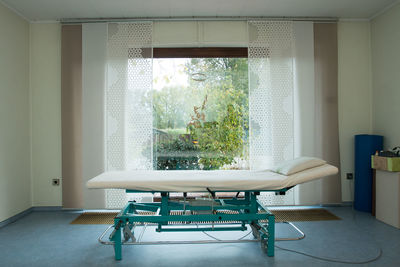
x=331 y=259
x=313 y=256
x=213 y=237
x=309 y=255
x=337 y=260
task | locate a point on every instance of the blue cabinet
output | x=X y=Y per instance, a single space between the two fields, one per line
x=365 y=146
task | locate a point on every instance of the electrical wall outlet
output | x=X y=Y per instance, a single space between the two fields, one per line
x=349 y=176
x=55 y=182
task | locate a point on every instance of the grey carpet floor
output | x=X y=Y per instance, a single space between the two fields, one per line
x=47 y=239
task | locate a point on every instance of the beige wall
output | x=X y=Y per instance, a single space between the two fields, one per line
x=15 y=184
x=354 y=93
x=385 y=44
x=45 y=76
x=30 y=115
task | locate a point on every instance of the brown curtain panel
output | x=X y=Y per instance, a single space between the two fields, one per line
x=71 y=115
x=326 y=106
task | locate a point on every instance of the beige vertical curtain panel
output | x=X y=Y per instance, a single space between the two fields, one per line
x=71 y=115
x=326 y=106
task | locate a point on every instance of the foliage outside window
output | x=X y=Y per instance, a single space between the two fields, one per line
x=200 y=108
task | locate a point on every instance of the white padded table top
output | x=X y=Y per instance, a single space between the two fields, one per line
x=199 y=181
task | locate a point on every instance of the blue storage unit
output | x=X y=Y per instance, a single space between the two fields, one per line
x=365 y=146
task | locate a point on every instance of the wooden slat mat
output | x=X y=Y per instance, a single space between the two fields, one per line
x=289 y=215
x=304 y=215
x=95 y=218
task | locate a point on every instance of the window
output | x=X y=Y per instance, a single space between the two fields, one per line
x=200 y=109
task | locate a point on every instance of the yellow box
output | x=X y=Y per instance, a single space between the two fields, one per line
x=391 y=164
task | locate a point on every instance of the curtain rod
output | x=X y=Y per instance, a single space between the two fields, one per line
x=195 y=18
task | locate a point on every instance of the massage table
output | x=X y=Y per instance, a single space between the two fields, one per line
x=235 y=213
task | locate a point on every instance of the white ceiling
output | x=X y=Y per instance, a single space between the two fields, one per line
x=44 y=10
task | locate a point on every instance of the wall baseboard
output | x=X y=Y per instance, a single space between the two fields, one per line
x=15 y=217
x=347 y=204
x=28 y=211
x=47 y=208
x=342 y=204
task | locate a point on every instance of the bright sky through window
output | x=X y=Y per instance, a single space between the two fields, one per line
x=170 y=72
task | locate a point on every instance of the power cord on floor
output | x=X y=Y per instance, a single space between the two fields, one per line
x=316 y=257
x=213 y=237
x=336 y=260
x=246 y=235
x=306 y=254
x=331 y=259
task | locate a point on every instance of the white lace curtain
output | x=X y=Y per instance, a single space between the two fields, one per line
x=271 y=86
x=129 y=118
x=271 y=92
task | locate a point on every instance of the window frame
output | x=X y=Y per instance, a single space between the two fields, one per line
x=200 y=52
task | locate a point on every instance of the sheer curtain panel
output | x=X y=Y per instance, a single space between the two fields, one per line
x=129 y=118
x=271 y=97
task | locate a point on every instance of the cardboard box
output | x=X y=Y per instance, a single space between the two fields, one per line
x=391 y=164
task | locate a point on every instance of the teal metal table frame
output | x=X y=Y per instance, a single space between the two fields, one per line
x=230 y=215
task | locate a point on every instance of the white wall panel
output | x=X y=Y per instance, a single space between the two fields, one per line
x=175 y=34
x=224 y=33
x=200 y=34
